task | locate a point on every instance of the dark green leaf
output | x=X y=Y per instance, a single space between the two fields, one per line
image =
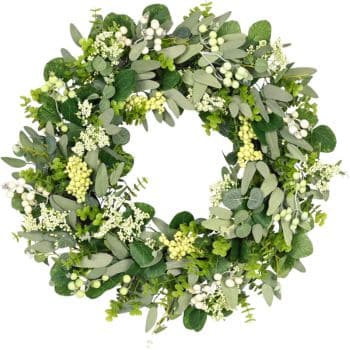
x=170 y=80
x=14 y=162
x=323 y=137
x=69 y=109
x=125 y=84
x=260 y=30
x=60 y=279
x=229 y=27
x=141 y=253
x=183 y=217
x=94 y=293
x=301 y=246
x=121 y=20
x=194 y=319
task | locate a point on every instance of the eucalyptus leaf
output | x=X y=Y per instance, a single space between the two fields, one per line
x=14 y=162
x=76 y=35
x=143 y=66
x=95 y=261
x=234 y=109
x=299 y=73
x=136 y=50
x=259 y=104
x=202 y=77
x=101 y=181
x=276 y=199
x=179 y=98
x=145 y=85
x=221 y=213
x=269 y=184
x=118 y=249
x=272 y=141
x=119 y=267
x=192 y=50
x=287 y=232
x=256 y=198
x=276 y=93
x=231 y=296
x=116 y=174
x=248 y=175
x=258 y=232
x=92 y=160
x=263 y=169
x=267 y=293
x=198 y=92
x=232 y=199
x=64 y=204
x=174 y=51
x=243 y=230
x=293 y=140
x=151 y=318
x=295 y=153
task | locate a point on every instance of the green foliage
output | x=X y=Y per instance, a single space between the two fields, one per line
x=60 y=280
x=260 y=30
x=125 y=84
x=112 y=20
x=183 y=217
x=141 y=253
x=229 y=27
x=323 y=138
x=221 y=246
x=194 y=319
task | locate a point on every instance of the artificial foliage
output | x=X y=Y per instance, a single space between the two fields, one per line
x=82 y=218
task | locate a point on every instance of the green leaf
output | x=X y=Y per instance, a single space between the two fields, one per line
x=259 y=104
x=191 y=51
x=125 y=84
x=301 y=246
x=216 y=224
x=287 y=232
x=74 y=32
x=269 y=184
x=272 y=142
x=260 y=30
x=56 y=66
x=229 y=27
x=107 y=116
x=263 y=169
x=170 y=80
x=121 y=20
x=146 y=208
x=161 y=13
x=48 y=111
x=232 y=199
x=323 y=137
x=276 y=199
x=91 y=159
x=179 y=98
x=101 y=181
x=99 y=64
x=295 y=153
x=173 y=52
x=151 y=318
x=221 y=213
x=95 y=261
x=183 y=217
x=202 y=77
x=136 y=50
x=108 y=91
x=256 y=198
x=267 y=293
x=60 y=279
x=143 y=66
x=119 y=267
x=231 y=296
x=261 y=65
x=63 y=203
x=118 y=249
x=243 y=230
x=276 y=93
x=292 y=139
x=42 y=247
x=233 y=54
x=248 y=175
x=69 y=109
x=94 y=293
x=155 y=271
x=299 y=73
x=14 y=162
x=144 y=85
x=194 y=319
x=141 y=253
x=116 y=174
x=258 y=232
x=241 y=216
x=234 y=109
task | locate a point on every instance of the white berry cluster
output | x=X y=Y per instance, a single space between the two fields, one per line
x=127 y=228
x=299 y=183
x=153 y=34
x=321 y=174
x=208 y=103
x=56 y=87
x=85 y=109
x=213 y=40
x=28 y=201
x=15 y=186
x=243 y=74
x=90 y=139
x=291 y=217
x=48 y=220
x=218 y=189
x=277 y=60
x=110 y=45
x=298 y=128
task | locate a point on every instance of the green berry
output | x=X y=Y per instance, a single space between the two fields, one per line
x=71 y=286
x=73 y=276
x=80 y=293
x=123 y=291
x=283 y=213
x=96 y=284
x=105 y=278
x=288 y=217
x=126 y=279
x=79 y=283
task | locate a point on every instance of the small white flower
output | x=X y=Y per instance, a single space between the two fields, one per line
x=155 y=24
x=229 y=283
x=218 y=277
x=196 y=288
x=123 y=30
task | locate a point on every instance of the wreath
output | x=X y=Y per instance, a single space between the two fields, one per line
x=80 y=216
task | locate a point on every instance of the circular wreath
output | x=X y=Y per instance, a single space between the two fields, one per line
x=80 y=215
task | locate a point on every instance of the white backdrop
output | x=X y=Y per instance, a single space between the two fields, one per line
x=180 y=163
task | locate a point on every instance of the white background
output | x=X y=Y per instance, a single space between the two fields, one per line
x=180 y=163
